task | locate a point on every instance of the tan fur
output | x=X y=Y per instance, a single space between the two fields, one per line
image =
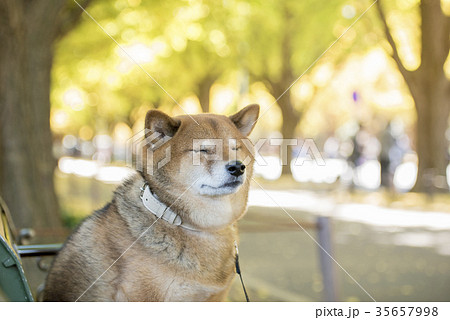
x=164 y=262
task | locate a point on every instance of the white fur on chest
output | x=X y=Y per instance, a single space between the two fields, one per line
x=213 y=213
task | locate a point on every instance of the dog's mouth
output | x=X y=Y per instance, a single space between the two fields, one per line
x=224 y=189
x=233 y=184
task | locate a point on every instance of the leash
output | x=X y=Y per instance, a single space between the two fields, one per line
x=238 y=271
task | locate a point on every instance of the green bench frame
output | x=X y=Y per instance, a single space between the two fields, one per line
x=13 y=283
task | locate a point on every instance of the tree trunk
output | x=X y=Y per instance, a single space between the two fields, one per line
x=432 y=105
x=28 y=31
x=281 y=91
x=204 y=90
x=430 y=89
x=432 y=98
x=290 y=118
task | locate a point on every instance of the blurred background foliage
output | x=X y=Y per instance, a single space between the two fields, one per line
x=219 y=56
x=334 y=72
x=312 y=74
x=223 y=46
x=319 y=70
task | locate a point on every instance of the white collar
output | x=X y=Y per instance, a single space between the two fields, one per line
x=160 y=210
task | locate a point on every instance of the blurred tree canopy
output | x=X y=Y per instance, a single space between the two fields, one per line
x=279 y=51
x=209 y=56
x=187 y=47
x=181 y=45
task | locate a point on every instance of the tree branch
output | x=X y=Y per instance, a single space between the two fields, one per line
x=408 y=75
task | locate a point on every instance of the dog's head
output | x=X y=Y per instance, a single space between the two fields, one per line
x=207 y=158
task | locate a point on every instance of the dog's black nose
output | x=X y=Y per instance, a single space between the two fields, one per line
x=235 y=168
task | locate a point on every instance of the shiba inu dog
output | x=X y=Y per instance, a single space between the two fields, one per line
x=168 y=234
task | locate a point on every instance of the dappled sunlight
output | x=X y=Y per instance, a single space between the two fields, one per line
x=122 y=132
x=79 y=167
x=93 y=169
x=382 y=218
x=303 y=90
x=421 y=239
x=267 y=167
x=113 y=174
x=292 y=199
x=73 y=98
x=405 y=24
x=190 y=105
x=406 y=175
x=348 y=11
x=391 y=219
x=368 y=175
x=222 y=97
x=378 y=88
x=59 y=120
x=322 y=74
x=140 y=53
x=310 y=171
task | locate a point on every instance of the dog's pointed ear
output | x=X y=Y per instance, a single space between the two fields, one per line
x=245 y=119
x=159 y=122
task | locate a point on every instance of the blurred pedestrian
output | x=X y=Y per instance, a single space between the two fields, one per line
x=388 y=142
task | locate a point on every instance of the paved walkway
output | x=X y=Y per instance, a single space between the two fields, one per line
x=395 y=254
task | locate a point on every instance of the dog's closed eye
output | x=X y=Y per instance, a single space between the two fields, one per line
x=206 y=151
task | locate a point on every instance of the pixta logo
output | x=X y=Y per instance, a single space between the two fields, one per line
x=140 y=151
